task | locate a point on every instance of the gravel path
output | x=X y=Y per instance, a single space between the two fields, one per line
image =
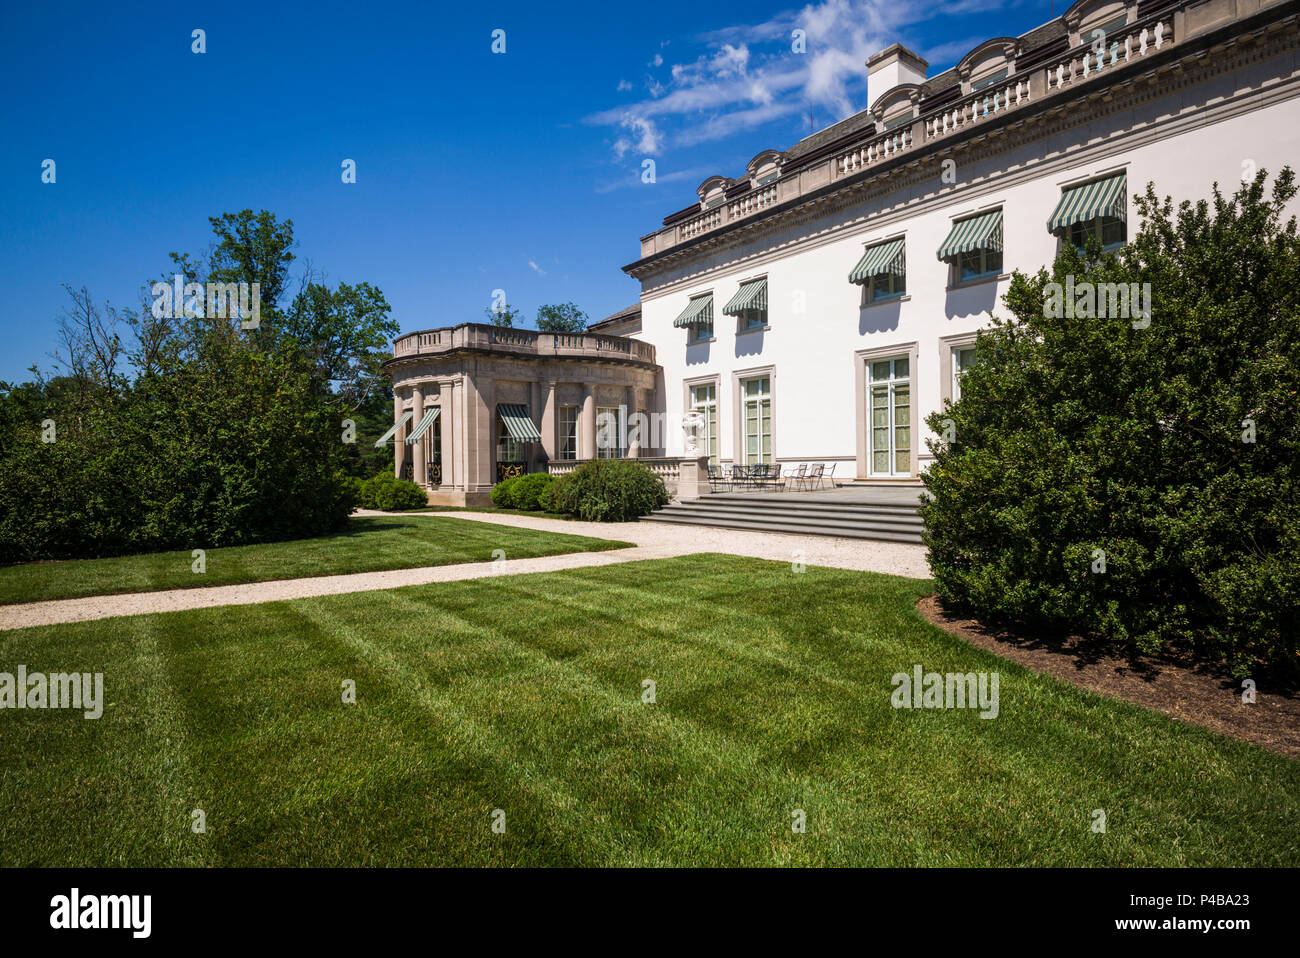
x=653 y=540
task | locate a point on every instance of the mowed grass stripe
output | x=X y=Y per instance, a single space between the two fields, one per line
x=367 y=544
x=523 y=693
x=543 y=718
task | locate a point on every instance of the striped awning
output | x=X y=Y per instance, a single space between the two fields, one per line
x=383 y=440
x=977 y=232
x=697 y=312
x=430 y=416
x=751 y=295
x=1087 y=201
x=888 y=257
x=518 y=424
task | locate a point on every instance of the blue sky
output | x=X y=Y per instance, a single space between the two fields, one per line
x=475 y=171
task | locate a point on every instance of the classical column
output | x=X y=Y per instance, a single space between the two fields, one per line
x=550 y=424
x=462 y=436
x=632 y=424
x=417 y=450
x=587 y=432
x=445 y=420
x=399 y=437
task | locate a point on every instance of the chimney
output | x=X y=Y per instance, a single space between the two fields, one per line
x=891 y=66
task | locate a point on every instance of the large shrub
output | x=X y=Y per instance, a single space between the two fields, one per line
x=608 y=490
x=222 y=446
x=503 y=494
x=1138 y=481
x=385 y=491
x=527 y=491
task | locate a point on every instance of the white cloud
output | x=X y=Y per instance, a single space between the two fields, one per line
x=623 y=86
x=536 y=269
x=748 y=76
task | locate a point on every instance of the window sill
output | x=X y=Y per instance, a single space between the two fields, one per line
x=887 y=301
x=701 y=342
x=753 y=329
x=979 y=281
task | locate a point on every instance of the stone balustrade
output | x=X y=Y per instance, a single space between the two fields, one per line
x=527 y=342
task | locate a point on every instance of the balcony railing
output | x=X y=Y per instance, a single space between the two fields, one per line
x=1124 y=46
x=481 y=336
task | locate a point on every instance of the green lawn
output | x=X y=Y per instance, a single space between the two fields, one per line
x=524 y=693
x=368 y=544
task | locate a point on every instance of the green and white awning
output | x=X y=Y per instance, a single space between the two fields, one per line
x=751 y=295
x=888 y=257
x=1087 y=201
x=430 y=416
x=977 y=232
x=518 y=424
x=383 y=440
x=697 y=312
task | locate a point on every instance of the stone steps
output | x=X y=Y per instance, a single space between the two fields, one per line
x=799 y=514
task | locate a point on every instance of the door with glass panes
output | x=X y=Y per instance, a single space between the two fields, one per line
x=889 y=417
x=757 y=415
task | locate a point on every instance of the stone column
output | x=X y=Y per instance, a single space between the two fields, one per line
x=462 y=435
x=633 y=424
x=399 y=437
x=417 y=450
x=550 y=421
x=446 y=419
x=587 y=430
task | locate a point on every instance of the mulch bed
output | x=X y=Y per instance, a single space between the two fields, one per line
x=1178 y=685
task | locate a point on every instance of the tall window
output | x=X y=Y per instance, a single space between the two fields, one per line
x=568 y=432
x=886 y=286
x=508 y=450
x=757 y=412
x=962 y=357
x=700 y=332
x=704 y=400
x=1111 y=232
x=889 y=402
x=609 y=433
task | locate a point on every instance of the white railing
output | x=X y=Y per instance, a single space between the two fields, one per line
x=708 y=220
x=1132 y=45
x=668 y=469
x=980 y=105
x=754 y=201
x=873 y=151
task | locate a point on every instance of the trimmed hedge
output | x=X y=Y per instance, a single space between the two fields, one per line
x=523 y=492
x=608 y=490
x=1138 y=482
x=385 y=491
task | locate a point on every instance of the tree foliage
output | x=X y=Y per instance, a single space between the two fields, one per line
x=1138 y=481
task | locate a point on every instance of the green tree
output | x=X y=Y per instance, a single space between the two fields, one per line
x=1138 y=480
x=341 y=332
x=561 y=318
x=503 y=315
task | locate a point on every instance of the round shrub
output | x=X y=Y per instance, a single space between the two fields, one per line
x=503 y=494
x=609 y=490
x=391 y=494
x=528 y=490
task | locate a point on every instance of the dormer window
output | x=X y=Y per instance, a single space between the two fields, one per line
x=768 y=178
x=764 y=168
x=714 y=199
x=988 y=81
x=899 y=120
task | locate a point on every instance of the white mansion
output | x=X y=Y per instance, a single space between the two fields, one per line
x=816 y=308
